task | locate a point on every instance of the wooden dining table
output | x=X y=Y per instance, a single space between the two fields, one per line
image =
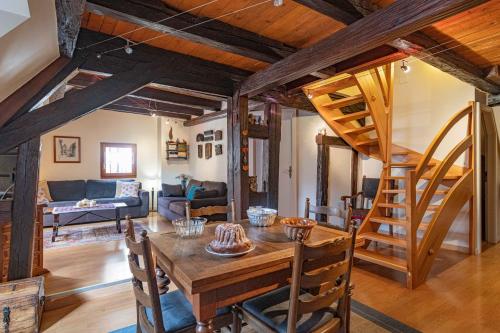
x=211 y=282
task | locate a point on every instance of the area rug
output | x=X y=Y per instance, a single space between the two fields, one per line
x=74 y=235
x=364 y=319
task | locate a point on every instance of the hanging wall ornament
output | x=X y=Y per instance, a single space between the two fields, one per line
x=171 y=133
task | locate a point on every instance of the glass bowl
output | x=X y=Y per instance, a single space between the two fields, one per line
x=261 y=217
x=191 y=228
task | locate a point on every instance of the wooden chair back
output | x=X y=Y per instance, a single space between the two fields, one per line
x=144 y=274
x=328 y=211
x=326 y=268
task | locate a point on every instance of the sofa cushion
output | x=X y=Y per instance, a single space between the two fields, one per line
x=166 y=201
x=206 y=194
x=127 y=189
x=97 y=189
x=130 y=201
x=67 y=190
x=220 y=187
x=172 y=190
x=192 y=182
x=178 y=207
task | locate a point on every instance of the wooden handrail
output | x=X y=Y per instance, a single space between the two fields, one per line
x=431 y=149
x=438 y=176
x=411 y=226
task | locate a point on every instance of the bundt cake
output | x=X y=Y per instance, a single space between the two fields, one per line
x=230 y=238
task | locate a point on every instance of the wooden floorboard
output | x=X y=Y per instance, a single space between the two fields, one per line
x=461 y=294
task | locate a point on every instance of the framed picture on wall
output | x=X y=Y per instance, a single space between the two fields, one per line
x=67 y=149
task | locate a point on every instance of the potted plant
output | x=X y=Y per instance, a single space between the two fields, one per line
x=184 y=179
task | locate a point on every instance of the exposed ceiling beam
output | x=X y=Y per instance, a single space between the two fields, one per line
x=205 y=118
x=189 y=73
x=339 y=10
x=135 y=110
x=96 y=96
x=213 y=33
x=69 y=15
x=381 y=27
x=82 y=80
x=134 y=102
x=441 y=57
x=41 y=85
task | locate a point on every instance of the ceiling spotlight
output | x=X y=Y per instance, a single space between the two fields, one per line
x=153 y=114
x=309 y=94
x=405 y=67
x=128 y=49
x=278 y=3
x=99 y=55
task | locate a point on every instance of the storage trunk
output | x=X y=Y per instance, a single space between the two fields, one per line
x=21 y=305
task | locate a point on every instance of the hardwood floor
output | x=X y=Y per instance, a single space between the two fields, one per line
x=462 y=294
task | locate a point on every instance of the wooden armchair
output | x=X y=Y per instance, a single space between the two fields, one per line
x=170 y=312
x=325 y=268
x=328 y=211
x=369 y=187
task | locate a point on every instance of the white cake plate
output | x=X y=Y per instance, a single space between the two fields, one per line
x=228 y=255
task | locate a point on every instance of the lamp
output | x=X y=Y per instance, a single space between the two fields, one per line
x=405 y=67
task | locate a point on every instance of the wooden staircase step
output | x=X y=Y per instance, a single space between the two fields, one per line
x=360 y=130
x=392 y=205
x=403 y=191
x=386 y=239
x=367 y=142
x=388 y=220
x=352 y=116
x=334 y=86
x=340 y=103
x=395 y=263
x=424 y=177
x=403 y=165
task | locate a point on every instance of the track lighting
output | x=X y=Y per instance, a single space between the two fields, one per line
x=278 y=3
x=405 y=67
x=128 y=49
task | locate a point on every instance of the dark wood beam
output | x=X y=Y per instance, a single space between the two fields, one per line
x=24 y=209
x=214 y=33
x=322 y=168
x=190 y=72
x=354 y=171
x=422 y=46
x=331 y=141
x=205 y=118
x=82 y=80
x=493 y=100
x=381 y=27
x=142 y=111
x=295 y=101
x=339 y=10
x=41 y=85
x=69 y=16
x=35 y=123
x=273 y=115
x=152 y=106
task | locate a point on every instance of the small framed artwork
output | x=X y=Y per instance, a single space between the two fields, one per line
x=218 y=149
x=218 y=135
x=200 y=151
x=208 y=151
x=67 y=149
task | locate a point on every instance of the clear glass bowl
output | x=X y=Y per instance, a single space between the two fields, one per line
x=192 y=228
x=261 y=217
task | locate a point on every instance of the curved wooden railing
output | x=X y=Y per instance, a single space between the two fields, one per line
x=420 y=257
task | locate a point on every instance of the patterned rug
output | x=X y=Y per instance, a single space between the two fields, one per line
x=80 y=234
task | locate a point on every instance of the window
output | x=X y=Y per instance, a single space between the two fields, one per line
x=118 y=160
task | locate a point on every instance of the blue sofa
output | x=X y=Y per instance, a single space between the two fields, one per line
x=69 y=192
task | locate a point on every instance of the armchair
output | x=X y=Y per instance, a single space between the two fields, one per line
x=369 y=187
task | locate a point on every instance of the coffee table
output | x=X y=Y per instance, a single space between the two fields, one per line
x=57 y=211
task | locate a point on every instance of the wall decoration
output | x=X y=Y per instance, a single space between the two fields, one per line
x=200 y=151
x=200 y=137
x=218 y=149
x=208 y=138
x=67 y=149
x=218 y=135
x=252 y=181
x=208 y=151
x=209 y=132
x=171 y=133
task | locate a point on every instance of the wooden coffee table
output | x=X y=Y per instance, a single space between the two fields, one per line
x=57 y=211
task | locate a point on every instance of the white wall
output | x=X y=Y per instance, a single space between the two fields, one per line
x=104 y=126
x=29 y=48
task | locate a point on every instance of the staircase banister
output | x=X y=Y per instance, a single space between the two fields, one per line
x=439 y=174
x=431 y=149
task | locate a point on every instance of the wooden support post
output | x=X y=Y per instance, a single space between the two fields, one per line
x=411 y=229
x=24 y=209
x=238 y=153
x=354 y=172
x=274 y=117
x=322 y=179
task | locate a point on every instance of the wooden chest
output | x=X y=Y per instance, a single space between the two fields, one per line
x=21 y=305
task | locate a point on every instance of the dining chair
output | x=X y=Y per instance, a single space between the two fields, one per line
x=328 y=211
x=325 y=268
x=170 y=312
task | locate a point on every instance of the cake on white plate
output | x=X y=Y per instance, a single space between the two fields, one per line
x=230 y=238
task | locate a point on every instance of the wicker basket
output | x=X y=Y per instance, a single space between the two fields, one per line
x=261 y=217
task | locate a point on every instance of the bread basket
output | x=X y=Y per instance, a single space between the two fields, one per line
x=293 y=226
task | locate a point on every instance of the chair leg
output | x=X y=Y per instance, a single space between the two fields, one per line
x=236 y=326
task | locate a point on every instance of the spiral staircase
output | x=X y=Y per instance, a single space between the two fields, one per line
x=419 y=196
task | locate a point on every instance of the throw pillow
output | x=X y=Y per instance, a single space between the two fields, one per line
x=127 y=189
x=192 y=192
x=172 y=190
x=206 y=194
x=43 y=193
